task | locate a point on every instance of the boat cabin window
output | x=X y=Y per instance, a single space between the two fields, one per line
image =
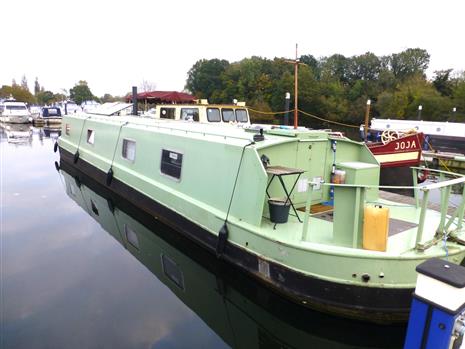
x=90 y=136
x=241 y=115
x=15 y=107
x=171 y=163
x=167 y=113
x=190 y=114
x=228 y=115
x=213 y=115
x=129 y=149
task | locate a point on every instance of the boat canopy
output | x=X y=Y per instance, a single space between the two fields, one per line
x=163 y=97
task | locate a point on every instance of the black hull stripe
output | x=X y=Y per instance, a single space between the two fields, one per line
x=368 y=303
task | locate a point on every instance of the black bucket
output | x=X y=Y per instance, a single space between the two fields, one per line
x=279 y=210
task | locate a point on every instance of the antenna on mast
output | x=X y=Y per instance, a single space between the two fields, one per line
x=296 y=63
x=296 y=89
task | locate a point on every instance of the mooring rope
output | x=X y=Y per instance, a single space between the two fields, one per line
x=117 y=141
x=223 y=233
x=443 y=164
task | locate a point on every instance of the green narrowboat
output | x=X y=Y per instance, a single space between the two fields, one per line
x=292 y=207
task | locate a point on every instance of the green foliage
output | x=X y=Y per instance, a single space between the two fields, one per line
x=81 y=92
x=18 y=93
x=107 y=98
x=45 y=97
x=334 y=87
x=205 y=79
x=410 y=62
x=442 y=82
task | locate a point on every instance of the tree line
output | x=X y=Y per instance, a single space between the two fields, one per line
x=79 y=93
x=335 y=87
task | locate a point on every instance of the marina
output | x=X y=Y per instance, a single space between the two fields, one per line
x=49 y=262
x=207 y=188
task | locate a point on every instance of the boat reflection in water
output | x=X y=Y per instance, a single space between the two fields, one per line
x=244 y=313
x=16 y=133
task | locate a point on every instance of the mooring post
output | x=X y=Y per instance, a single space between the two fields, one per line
x=286 y=108
x=437 y=316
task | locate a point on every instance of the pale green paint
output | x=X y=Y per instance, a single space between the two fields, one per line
x=210 y=164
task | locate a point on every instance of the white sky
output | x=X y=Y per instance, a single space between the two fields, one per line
x=114 y=45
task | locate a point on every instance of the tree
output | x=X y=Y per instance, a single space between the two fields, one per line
x=415 y=91
x=312 y=63
x=24 y=85
x=36 y=87
x=364 y=67
x=410 y=62
x=45 y=97
x=81 y=92
x=335 y=67
x=147 y=86
x=205 y=78
x=458 y=95
x=18 y=93
x=442 y=82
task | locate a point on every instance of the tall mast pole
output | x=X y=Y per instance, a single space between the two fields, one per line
x=296 y=89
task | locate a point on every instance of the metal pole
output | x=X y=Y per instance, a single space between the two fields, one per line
x=134 y=100
x=286 y=108
x=420 y=107
x=296 y=72
x=367 y=119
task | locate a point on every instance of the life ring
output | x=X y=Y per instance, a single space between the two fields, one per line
x=422 y=175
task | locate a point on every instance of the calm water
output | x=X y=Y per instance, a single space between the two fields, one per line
x=78 y=272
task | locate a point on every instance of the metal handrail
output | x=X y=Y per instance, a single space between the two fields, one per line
x=444 y=186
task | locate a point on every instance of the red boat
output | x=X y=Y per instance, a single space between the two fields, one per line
x=396 y=149
x=396 y=153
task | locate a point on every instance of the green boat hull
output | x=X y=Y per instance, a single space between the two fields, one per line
x=223 y=180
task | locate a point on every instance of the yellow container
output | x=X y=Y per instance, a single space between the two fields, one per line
x=375 y=228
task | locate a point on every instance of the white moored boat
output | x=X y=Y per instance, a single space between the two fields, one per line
x=14 y=112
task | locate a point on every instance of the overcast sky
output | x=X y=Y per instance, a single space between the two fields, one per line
x=114 y=45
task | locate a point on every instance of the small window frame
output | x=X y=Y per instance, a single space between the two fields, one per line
x=195 y=118
x=90 y=136
x=135 y=149
x=219 y=115
x=174 y=178
x=228 y=109
x=169 y=111
x=246 y=114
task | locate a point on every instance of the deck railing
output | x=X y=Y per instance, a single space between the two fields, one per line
x=444 y=185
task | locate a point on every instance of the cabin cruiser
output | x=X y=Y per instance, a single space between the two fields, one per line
x=14 y=112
